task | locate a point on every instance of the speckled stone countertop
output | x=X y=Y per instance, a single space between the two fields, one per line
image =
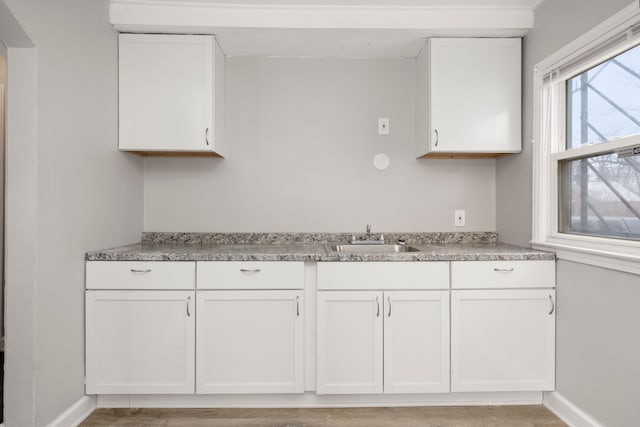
x=314 y=247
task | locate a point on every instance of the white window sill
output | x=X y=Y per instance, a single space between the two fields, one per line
x=627 y=260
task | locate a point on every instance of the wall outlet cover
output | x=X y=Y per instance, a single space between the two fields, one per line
x=383 y=126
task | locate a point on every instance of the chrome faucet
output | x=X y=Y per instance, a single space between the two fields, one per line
x=367 y=239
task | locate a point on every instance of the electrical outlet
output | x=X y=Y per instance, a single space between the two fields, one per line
x=460 y=217
x=383 y=126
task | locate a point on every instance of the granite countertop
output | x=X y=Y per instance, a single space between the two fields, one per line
x=312 y=247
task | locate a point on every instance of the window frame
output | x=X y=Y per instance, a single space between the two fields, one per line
x=603 y=42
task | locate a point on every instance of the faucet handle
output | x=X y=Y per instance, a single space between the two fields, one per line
x=353 y=238
x=368 y=228
x=381 y=237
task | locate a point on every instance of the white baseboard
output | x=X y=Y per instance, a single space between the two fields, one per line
x=76 y=413
x=312 y=400
x=567 y=411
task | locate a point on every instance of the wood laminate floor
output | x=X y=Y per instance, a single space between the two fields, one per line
x=460 y=416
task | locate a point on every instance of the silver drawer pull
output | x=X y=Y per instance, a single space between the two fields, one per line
x=245 y=270
x=188 y=306
x=503 y=270
x=378 y=304
x=553 y=305
x=297 y=306
x=148 y=270
x=389 y=300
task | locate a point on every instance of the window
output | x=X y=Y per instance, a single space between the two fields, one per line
x=600 y=193
x=587 y=145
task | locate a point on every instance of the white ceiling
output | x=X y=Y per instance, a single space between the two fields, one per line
x=326 y=28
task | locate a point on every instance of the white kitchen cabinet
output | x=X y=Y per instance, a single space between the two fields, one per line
x=250 y=342
x=468 y=97
x=503 y=274
x=349 y=333
x=233 y=275
x=250 y=327
x=141 y=275
x=375 y=342
x=502 y=340
x=416 y=342
x=383 y=275
x=140 y=342
x=171 y=94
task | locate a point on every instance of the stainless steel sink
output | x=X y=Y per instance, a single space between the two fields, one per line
x=372 y=249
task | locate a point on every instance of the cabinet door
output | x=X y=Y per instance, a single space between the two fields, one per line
x=502 y=340
x=250 y=342
x=475 y=95
x=165 y=98
x=140 y=342
x=416 y=342
x=349 y=353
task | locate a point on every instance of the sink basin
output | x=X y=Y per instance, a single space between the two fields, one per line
x=372 y=249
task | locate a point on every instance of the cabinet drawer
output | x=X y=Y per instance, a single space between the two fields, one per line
x=140 y=275
x=503 y=274
x=383 y=275
x=250 y=275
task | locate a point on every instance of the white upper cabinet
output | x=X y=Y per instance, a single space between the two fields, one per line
x=171 y=94
x=468 y=97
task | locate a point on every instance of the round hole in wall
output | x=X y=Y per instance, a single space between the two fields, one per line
x=381 y=161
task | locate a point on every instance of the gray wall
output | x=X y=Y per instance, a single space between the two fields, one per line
x=20 y=237
x=598 y=345
x=302 y=136
x=87 y=194
x=557 y=22
x=597 y=341
x=3 y=84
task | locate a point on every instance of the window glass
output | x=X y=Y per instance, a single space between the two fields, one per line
x=600 y=196
x=604 y=101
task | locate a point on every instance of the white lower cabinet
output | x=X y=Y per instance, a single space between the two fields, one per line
x=502 y=340
x=402 y=329
x=349 y=353
x=375 y=342
x=250 y=342
x=416 y=342
x=140 y=342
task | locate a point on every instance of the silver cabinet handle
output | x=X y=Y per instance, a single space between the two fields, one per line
x=553 y=305
x=188 y=306
x=389 y=301
x=133 y=270
x=378 y=303
x=206 y=136
x=435 y=131
x=297 y=306
x=245 y=270
x=503 y=270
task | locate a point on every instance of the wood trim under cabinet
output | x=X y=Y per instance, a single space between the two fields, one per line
x=437 y=155
x=175 y=154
